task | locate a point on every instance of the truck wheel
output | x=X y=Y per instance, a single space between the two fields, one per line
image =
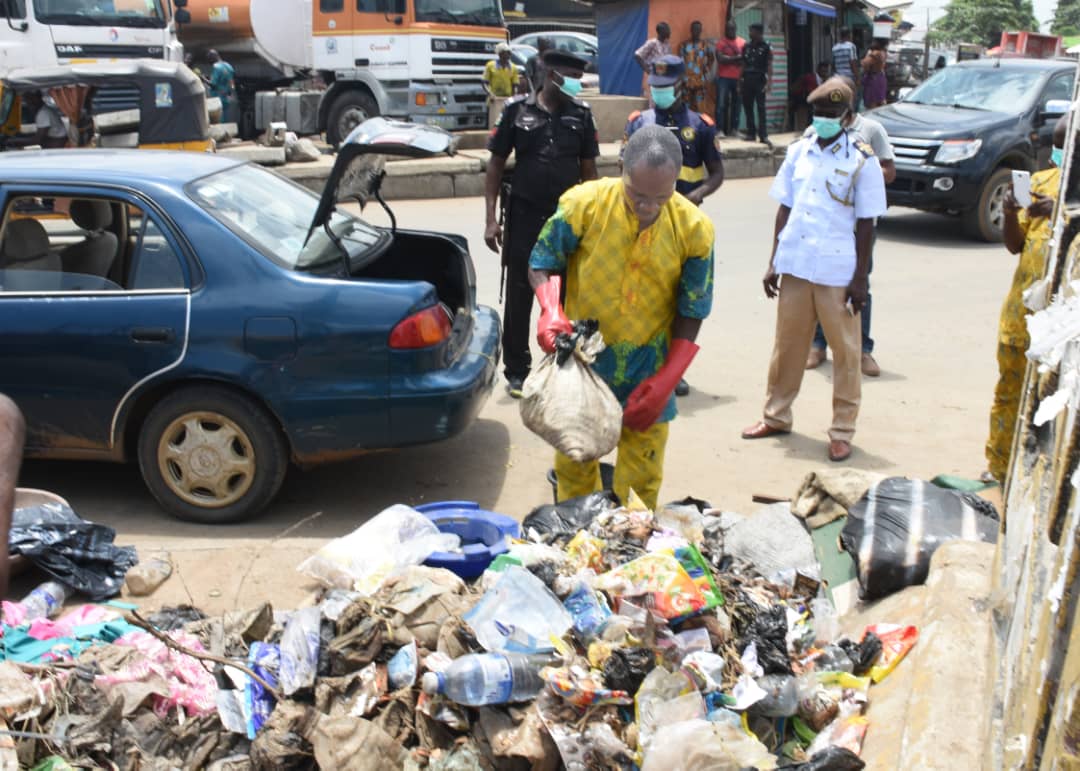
x=347 y=111
x=210 y=455
x=987 y=219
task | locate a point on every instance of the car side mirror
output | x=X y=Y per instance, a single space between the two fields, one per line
x=1054 y=109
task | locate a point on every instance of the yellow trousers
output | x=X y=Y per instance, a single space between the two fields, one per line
x=1012 y=365
x=640 y=466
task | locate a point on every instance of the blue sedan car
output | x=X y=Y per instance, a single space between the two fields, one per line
x=215 y=321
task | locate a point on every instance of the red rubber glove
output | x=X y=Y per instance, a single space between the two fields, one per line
x=646 y=403
x=552 y=319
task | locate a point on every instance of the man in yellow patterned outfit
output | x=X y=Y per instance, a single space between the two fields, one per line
x=638 y=258
x=1026 y=232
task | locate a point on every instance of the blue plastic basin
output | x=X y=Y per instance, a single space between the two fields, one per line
x=484 y=535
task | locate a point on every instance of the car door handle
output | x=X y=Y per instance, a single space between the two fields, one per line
x=152 y=334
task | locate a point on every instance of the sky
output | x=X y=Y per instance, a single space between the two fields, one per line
x=1044 y=11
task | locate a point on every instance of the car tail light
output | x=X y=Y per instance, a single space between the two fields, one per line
x=430 y=326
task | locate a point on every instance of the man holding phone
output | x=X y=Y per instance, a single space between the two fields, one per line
x=1026 y=232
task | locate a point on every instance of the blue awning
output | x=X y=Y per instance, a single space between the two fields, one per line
x=813 y=6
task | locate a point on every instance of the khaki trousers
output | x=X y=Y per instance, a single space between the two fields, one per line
x=801 y=306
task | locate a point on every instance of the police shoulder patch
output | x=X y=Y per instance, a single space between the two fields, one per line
x=864 y=148
x=634 y=115
x=706 y=119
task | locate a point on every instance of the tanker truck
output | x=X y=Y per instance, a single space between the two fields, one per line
x=343 y=61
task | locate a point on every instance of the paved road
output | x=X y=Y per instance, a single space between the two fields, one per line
x=936 y=299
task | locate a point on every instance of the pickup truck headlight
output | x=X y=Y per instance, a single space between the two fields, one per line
x=957 y=150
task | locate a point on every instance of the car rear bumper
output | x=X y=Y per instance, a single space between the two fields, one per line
x=920 y=187
x=436 y=405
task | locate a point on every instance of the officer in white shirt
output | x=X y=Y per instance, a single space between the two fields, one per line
x=830 y=188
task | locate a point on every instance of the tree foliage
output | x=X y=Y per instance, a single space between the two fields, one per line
x=983 y=21
x=1067 y=18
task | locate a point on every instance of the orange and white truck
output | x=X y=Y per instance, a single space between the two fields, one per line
x=419 y=60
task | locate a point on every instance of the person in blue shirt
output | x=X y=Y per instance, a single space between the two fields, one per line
x=702 y=171
x=221 y=83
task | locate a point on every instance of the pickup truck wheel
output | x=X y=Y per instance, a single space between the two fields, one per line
x=348 y=111
x=987 y=219
x=210 y=455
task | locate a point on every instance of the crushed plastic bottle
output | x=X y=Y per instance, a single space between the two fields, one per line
x=46 y=600
x=781 y=696
x=488 y=678
x=148 y=575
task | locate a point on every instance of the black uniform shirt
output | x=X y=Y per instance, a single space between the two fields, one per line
x=548 y=148
x=756 y=57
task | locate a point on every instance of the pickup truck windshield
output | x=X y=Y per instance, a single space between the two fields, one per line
x=998 y=89
x=101 y=13
x=481 y=13
x=273 y=215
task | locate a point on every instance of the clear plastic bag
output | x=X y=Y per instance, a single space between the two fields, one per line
x=568 y=405
x=519 y=614
x=393 y=539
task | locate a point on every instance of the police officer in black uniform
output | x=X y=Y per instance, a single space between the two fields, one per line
x=553 y=137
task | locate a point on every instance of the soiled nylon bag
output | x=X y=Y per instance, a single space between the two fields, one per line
x=568 y=405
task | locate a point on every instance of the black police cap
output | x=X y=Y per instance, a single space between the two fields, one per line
x=556 y=58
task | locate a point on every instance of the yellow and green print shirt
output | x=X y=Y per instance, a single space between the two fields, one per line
x=633 y=283
x=1012 y=329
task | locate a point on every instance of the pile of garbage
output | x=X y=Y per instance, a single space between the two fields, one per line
x=596 y=635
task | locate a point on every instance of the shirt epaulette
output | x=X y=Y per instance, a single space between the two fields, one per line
x=515 y=99
x=864 y=148
x=582 y=103
x=709 y=121
x=633 y=116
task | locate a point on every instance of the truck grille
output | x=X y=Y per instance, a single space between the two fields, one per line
x=914 y=152
x=461 y=59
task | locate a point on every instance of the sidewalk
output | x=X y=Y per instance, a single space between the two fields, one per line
x=463 y=174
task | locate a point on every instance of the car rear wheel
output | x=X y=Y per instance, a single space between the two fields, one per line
x=987 y=220
x=347 y=111
x=212 y=456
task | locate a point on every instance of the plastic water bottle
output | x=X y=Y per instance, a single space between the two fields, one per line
x=488 y=678
x=46 y=600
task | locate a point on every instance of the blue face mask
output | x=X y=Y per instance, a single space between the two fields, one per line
x=570 y=86
x=1057 y=155
x=663 y=96
x=827 y=128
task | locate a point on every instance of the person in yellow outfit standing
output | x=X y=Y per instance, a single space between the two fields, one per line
x=1026 y=232
x=639 y=259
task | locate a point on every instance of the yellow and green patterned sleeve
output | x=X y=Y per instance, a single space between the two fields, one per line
x=563 y=231
x=696 y=281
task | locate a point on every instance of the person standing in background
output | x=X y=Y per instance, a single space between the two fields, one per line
x=757 y=74
x=729 y=59
x=1027 y=232
x=654 y=48
x=875 y=82
x=221 y=83
x=697 y=56
x=870 y=132
x=805 y=86
x=535 y=69
x=845 y=58
x=500 y=74
x=553 y=137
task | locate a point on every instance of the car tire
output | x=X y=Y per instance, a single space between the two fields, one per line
x=986 y=220
x=347 y=111
x=212 y=456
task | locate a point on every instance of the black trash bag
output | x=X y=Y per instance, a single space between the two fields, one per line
x=831 y=759
x=75 y=552
x=768 y=631
x=558 y=523
x=626 y=668
x=169 y=619
x=864 y=654
x=900 y=517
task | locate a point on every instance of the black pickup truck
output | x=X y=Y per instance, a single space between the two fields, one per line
x=958 y=136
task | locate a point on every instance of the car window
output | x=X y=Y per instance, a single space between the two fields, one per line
x=61 y=244
x=154 y=263
x=1060 y=87
x=999 y=89
x=274 y=215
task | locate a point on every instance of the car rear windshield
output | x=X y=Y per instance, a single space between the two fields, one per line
x=999 y=89
x=273 y=215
